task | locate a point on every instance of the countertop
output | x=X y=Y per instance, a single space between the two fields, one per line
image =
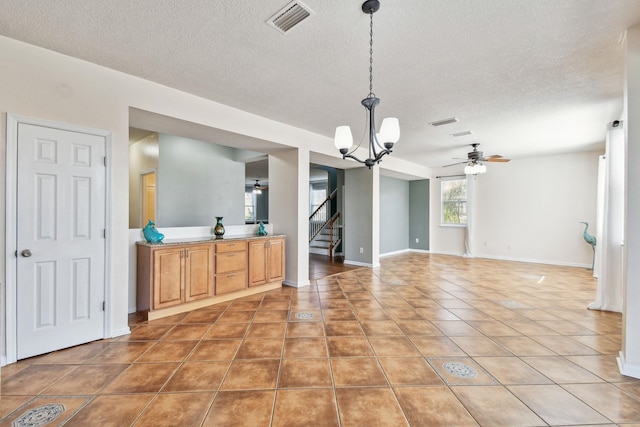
x=206 y=239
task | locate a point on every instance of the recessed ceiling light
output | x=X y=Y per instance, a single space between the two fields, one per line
x=458 y=134
x=445 y=121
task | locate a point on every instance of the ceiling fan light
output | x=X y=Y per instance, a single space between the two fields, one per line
x=389 y=130
x=343 y=139
x=481 y=168
x=469 y=169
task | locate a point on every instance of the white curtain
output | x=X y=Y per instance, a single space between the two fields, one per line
x=469 y=237
x=609 y=292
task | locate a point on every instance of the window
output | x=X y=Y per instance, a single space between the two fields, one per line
x=318 y=196
x=454 y=201
x=249 y=206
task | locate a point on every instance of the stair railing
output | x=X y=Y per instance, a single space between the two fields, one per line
x=321 y=216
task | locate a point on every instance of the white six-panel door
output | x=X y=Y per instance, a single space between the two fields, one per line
x=60 y=239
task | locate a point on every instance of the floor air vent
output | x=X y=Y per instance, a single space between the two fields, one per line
x=289 y=16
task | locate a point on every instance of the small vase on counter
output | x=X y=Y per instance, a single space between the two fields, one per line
x=218 y=230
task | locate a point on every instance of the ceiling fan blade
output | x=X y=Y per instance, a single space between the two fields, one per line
x=497 y=159
x=494 y=155
x=453 y=164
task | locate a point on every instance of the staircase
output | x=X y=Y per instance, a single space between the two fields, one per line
x=324 y=228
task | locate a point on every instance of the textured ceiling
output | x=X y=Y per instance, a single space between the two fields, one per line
x=526 y=77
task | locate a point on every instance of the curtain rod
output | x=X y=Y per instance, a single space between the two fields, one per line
x=451 y=176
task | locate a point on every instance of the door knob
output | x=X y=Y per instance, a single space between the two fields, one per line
x=26 y=253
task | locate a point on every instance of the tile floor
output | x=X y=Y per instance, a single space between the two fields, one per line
x=424 y=340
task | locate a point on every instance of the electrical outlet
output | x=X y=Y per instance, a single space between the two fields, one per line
x=417 y=240
x=361 y=250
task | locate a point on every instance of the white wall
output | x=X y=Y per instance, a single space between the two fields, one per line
x=197 y=182
x=529 y=210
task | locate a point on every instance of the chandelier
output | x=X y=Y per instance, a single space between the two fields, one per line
x=390 y=128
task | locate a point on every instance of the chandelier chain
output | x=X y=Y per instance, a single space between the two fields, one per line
x=371 y=94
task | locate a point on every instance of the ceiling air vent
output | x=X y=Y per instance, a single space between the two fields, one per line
x=459 y=134
x=289 y=16
x=444 y=122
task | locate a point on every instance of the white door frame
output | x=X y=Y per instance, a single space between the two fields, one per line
x=11 y=338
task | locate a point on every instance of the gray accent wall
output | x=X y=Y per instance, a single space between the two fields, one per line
x=394 y=214
x=358 y=221
x=419 y=214
x=196 y=182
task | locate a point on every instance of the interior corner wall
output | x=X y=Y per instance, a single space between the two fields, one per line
x=394 y=215
x=442 y=239
x=288 y=210
x=529 y=210
x=361 y=209
x=630 y=355
x=143 y=158
x=196 y=182
x=419 y=214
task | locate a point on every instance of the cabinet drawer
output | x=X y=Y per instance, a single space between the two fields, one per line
x=231 y=261
x=231 y=282
x=231 y=246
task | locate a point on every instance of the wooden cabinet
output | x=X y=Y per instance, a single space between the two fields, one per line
x=178 y=277
x=176 y=274
x=231 y=266
x=266 y=261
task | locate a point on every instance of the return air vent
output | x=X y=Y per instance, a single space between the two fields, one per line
x=289 y=16
x=444 y=122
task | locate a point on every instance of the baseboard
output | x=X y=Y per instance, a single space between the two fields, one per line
x=132 y=309
x=3 y=361
x=120 y=332
x=401 y=251
x=446 y=253
x=534 y=261
x=627 y=369
x=297 y=285
x=360 y=264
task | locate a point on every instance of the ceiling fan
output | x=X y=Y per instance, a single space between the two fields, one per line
x=257 y=188
x=475 y=158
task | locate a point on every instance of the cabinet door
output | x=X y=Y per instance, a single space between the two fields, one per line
x=275 y=263
x=257 y=263
x=198 y=272
x=168 y=277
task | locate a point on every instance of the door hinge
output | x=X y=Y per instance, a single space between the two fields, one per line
x=103 y=305
x=104 y=233
x=105 y=160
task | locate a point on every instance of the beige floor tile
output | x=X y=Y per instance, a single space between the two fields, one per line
x=437 y=346
x=433 y=406
x=86 y=380
x=348 y=347
x=182 y=409
x=236 y=317
x=357 y=371
x=369 y=407
x=69 y=407
x=556 y=406
x=564 y=345
x=241 y=408
x=100 y=411
x=604 y=366
x=480 y=346
x=121 y=352
x=197 y=376
x=8 y=404
x=609 y=400
x=148 y=332
x=252 y=375
x=343 y=328
x=632 y=388
x=187 y=332
x=74 y=355
x=316 y=407
x=202 y=316
x=269 y=316
x=227 y=330
x=168 y=351
x=496 y=406
x=403 y=371
x=142 y=378
x=260 y=348
x=267 y=330
x=393 y=346
x=456 y=328
x=380 y=327
x=419 y=327
x=299 y=373
x=511 y=370
x=493 y=328
x=561 y=370
x=523 y=346
x=305 y=348
x=460 y=371
x=34 y=379
x=215 y=350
